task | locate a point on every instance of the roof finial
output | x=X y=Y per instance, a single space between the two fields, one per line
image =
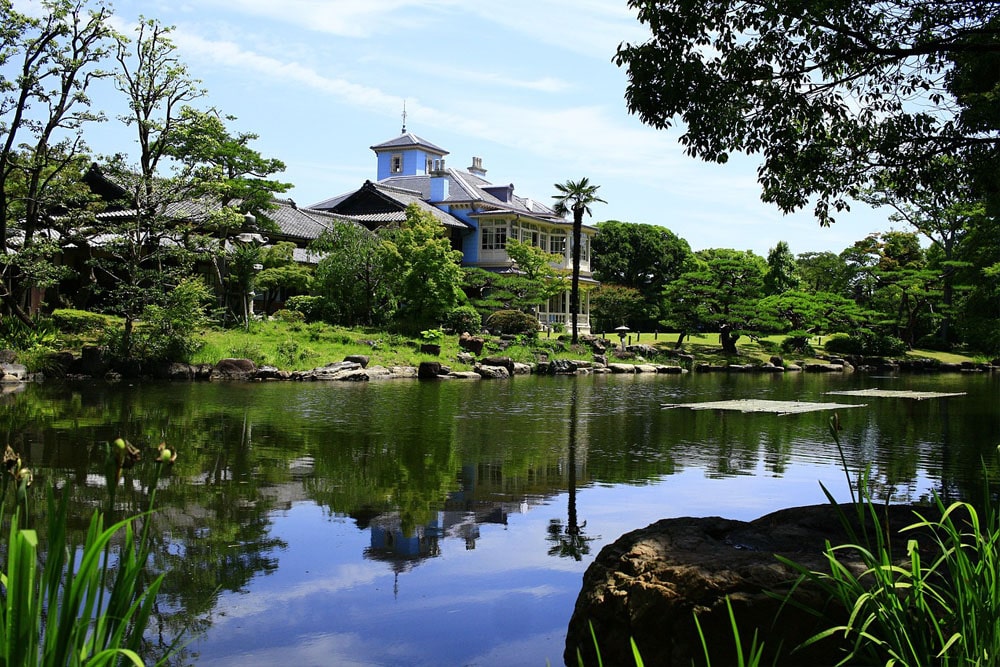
x=404 y=117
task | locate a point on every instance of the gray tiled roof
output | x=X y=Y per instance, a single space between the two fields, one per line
x=297 y=224
x=401 y=197
x=464 y=186
x=301 y=223
x=406 y=140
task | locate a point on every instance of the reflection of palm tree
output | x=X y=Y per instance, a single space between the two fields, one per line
x=571 y=541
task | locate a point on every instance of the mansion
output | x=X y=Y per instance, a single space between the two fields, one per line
x=479 y=216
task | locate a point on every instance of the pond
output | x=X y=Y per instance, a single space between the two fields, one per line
x=450 y=523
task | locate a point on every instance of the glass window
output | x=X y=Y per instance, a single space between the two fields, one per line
x=396 y=165
x=494 y=235
x=557 y=244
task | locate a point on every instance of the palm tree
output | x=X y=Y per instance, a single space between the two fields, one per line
x=576 y=196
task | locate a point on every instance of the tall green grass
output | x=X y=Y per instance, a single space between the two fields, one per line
x=935 y=603
x=86 y=604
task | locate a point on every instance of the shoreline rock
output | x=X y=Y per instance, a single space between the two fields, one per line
x=648 y=584
x=94 y=364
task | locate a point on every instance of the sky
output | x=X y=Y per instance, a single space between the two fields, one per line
x=529 y=86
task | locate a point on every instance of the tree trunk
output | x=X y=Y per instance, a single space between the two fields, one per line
x=728 y=340
x=574 y=293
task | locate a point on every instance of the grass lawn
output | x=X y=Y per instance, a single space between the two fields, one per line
x=302 y=346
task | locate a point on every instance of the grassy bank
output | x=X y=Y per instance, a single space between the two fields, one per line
x=299 y=346
x=291 y=345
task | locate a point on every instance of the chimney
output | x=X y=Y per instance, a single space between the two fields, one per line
x=477 y=167
x=439 y=181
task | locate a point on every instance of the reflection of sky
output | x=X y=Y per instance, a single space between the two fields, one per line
x=506 y=602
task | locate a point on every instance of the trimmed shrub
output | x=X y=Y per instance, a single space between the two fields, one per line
x=797 y=342
x=462 y=319
x=841 y=344
x=866 y=343
x=286 y=315
x=514 y=322
x=313 y=308
x=73 y=321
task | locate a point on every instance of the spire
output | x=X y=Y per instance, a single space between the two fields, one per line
x=404 y=118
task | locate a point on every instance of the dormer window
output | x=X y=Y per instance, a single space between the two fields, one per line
x=396 y=163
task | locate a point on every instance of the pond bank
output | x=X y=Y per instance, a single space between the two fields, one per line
x=93 y=363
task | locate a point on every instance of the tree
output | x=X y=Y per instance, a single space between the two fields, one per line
x=643 y=257
x=352 y=276
x=425 y=272
x=576 y=197
x=183 y=191
x=213 y=165
x=945 y=225
x=979 y=308
x=281 y=273
x=144 y=256
x=836 y=95
x=809 y=313
x=780 y=275
x=43 y=111
x=891 y=276
x=537 y=267
x=821 y=272
x=720 y=295
x=614 y=305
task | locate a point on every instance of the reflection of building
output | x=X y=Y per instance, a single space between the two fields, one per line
x=460 y=518
x=481 y=217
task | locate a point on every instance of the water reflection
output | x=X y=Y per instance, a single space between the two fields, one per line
x=422 y=502
x=571 y=541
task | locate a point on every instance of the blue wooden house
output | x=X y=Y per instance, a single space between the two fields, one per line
x=479 y=215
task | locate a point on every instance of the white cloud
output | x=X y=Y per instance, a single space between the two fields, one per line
x=346 y=18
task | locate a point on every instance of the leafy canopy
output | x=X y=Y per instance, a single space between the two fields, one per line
x=836 y=95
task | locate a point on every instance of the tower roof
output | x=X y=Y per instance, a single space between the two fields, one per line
x=408 y=140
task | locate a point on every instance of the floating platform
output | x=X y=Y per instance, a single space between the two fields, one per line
x=896 y=393
x=755 y=405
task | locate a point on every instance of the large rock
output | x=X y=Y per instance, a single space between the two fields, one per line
x=488 y=372
x=473 y=344
x=233 y=369
x=649 y=582
x=505 y=362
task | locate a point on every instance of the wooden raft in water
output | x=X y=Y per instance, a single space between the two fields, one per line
x=755 y=405
x=896 y=393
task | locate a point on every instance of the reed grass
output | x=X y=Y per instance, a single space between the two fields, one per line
x=937 y=605
x=86 y=604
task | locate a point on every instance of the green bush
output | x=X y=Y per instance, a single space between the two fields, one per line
x=840 y=344
x=286 y=315
x=464 y=319
x=16 y=335
x=797 y=342
x=313 y=308
x=868 y=343
x=169 y=332
x=73 y=321
x=514 y=322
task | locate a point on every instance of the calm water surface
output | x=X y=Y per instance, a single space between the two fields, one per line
x=450 y=523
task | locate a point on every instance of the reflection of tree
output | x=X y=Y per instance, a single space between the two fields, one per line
x=571 y=541
x=212 y=522
x=406 y=465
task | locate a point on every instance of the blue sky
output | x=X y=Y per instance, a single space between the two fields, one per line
x=528 y=86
